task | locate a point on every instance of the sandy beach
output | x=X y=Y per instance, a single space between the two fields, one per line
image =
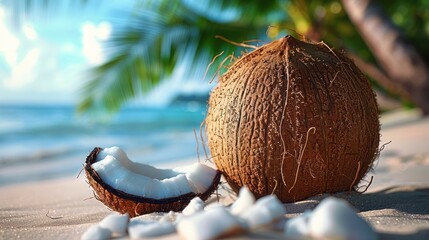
x=396 y=203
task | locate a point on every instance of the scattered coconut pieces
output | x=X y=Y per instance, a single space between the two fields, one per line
x=244 y=201
x=116 y=224
x=333 y=218
x=213 y=206
x=297 y=227
x=195 y=205
x=113 y=225
x=266 y=210
x=211 y=224
x=170 y=217
x=138 y=229
x=96 y=232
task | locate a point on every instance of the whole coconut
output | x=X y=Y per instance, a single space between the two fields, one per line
x=295 y=119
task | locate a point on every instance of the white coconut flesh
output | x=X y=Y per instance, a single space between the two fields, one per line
x=195 y=205
x=297 y=227
x=138 y=230
x=117 y=224
x=96 y=232
x=265 y=211
x=334 y=218
x=115 y=169
x=245 y=200
x=209 y=224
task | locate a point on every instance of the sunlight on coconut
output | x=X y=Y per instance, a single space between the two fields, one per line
x=295 y=119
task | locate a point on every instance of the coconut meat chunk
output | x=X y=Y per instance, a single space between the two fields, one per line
x=115 y=168
x=265 y=211
x=210 y=224
x=200 y=177
x=194 y=206
x=139 y=168
x=245 y=200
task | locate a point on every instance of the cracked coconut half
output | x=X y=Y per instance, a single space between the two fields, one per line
x=135 y=188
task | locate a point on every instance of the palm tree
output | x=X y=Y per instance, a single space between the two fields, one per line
x=399 y=59
x=155 y=41
x=161 y=36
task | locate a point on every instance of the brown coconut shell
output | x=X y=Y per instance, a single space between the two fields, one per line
x=123 y=202
x=293 y=118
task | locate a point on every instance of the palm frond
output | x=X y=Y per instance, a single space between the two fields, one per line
x=152 y=44
x=159 y=38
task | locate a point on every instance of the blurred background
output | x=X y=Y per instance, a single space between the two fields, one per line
x=137 y=74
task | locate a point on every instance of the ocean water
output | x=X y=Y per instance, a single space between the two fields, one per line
x=42 y=142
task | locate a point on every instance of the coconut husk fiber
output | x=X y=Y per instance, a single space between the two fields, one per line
x=293 y=118
x=396 y=203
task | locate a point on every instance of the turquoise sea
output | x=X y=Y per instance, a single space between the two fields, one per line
x=42 y=142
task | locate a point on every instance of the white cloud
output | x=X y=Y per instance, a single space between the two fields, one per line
x=21 y=61
x=30 y=68
x=24 y=71
x=92 y=40
x=39 y=77
x=9 y=42
x=29 y=32
x=42 y=67
x=2 y=13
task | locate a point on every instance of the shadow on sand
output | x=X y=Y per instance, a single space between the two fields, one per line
x=392 y=206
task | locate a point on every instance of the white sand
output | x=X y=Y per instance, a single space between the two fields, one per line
x=396 y=203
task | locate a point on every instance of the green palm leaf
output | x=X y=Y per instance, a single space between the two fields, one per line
x=161 y=37
x=149 y=48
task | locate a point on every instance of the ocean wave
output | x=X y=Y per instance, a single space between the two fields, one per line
x=35 y=137
x=26 y=157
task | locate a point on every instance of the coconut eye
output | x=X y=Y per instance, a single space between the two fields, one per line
x=135 y=188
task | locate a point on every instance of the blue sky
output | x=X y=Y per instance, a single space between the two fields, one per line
x=42 y=60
